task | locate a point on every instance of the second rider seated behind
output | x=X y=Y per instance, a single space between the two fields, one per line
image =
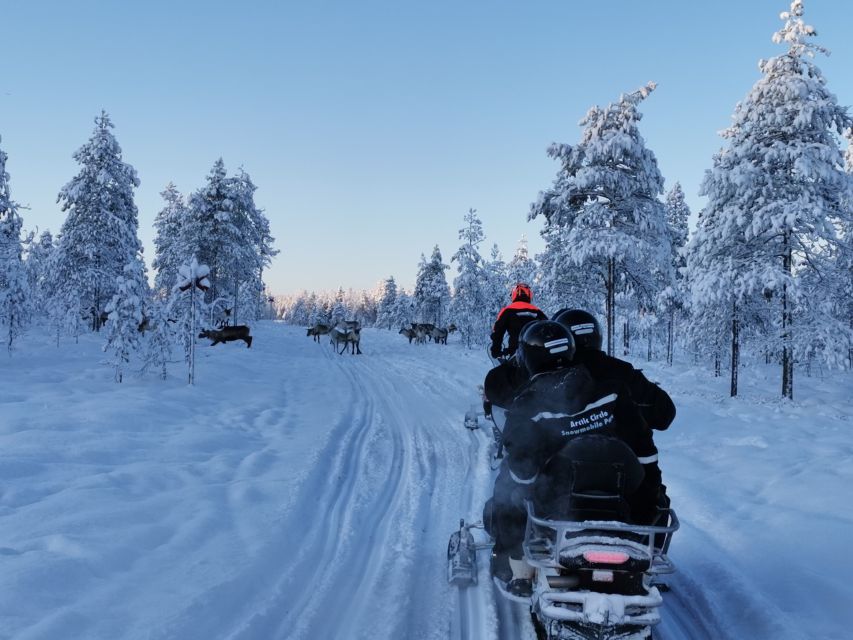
x=561 y=402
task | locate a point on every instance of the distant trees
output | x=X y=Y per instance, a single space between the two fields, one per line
x=92 y=272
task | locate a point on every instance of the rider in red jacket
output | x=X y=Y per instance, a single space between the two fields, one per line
x=512 y=319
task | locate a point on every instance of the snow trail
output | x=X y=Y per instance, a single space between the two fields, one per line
x=295 y=493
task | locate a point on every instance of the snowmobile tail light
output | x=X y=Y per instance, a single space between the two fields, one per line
x=605 y=557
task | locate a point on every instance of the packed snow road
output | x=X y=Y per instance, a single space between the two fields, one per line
x=295 y=493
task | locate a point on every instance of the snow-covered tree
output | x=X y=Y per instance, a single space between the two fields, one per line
x=522 y=268
x=385 y=312
x=672 y=297
x=99 y=235
x=432 y=294
x=169 y=254
x=14 y=294
x=777 y=198
x=339 y=309
x=497 y=284
x=188 y=307
x=226 y=231
x=468 y=308
x=602 y=214
x=37 y=260
x=126 y=311
x=159 y=338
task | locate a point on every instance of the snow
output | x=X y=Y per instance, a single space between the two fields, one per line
x=294 y=493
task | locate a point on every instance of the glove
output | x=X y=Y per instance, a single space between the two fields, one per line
x=496 y=351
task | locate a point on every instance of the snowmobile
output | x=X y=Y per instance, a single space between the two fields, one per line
x=597 y=577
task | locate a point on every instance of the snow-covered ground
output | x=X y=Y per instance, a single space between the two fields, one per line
x=294 y=493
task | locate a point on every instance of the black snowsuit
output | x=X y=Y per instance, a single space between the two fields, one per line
x=511 y=320
x=653 y=402
x=553 y=409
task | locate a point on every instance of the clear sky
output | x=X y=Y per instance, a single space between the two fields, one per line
x=370 y=127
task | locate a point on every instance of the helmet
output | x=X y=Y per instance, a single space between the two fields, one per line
x=545 y=346
x=522 y=292
x=584 y=328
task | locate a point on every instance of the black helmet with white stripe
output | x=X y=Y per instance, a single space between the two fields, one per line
x=545 y=346
x=584 y=327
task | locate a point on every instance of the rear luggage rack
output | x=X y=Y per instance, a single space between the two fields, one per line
x=545 y=541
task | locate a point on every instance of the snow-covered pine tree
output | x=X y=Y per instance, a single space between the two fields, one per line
x=159 y=338
x=38 y=256
x=672 y=298
x=497 y=284
x=169 y=254
x=562 y=284
x=226 y=231
x=468 y=308
x=126 y=310
x=188 y=307
x=339 y=311
x=99 y=235
x=777 y=194
x=432 y=294
x=210 y=232
x=14 y=295
x=602 y=214
x=385 y=312
x=254 y=228
x=522 y=268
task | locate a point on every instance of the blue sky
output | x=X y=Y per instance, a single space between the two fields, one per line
x=371 y=127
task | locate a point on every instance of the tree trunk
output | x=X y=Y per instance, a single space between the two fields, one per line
x=717 y=364
x=236 y=297
x=787 y=346
x=626 y=337
x=649 y=351
x=611 y=303
x=735 y=349
x=670 y=329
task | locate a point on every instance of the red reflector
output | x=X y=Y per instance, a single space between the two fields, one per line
x=605 y=557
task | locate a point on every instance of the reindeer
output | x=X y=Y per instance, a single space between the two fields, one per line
x=409 y=333
x=419 y=332
x=451 y=328
x=341 y=333
x=439 y=336
x=227 y=334
x=318 y=330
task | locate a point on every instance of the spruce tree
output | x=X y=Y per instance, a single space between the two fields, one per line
x=387 y=303
x=126 y=311
x=522 y=268
x=169 y=254
x=672 y=297
x=99 y=235
x=432 y=294
x=468 y=308
x=36 y=264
